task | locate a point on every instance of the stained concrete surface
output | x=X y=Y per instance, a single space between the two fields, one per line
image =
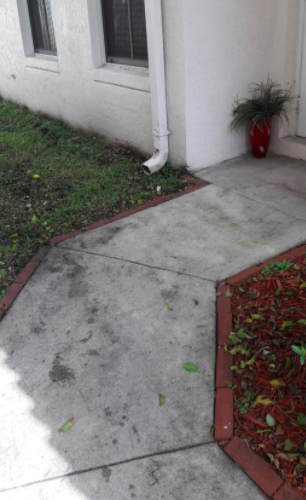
x=276 y=181
x=203 y=473
x=211 y=233
x=91 y=337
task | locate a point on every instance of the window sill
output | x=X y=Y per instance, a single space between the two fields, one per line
x=43 y=62
x=124 y=76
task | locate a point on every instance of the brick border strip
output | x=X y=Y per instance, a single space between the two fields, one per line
x=252 y=464
x=26 y=273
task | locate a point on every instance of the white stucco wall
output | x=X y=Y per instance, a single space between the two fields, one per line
x=71 y=93
x=230 y=44
x=213 y=50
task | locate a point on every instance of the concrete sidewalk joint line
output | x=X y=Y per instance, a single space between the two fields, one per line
x=16 y=287
x=252 y=464
x=114 y=464
x=260 y=202
x=135 y=263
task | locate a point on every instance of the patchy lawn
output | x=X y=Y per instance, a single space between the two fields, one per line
x=54 y=180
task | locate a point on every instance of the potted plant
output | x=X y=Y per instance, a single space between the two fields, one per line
x=267 y=100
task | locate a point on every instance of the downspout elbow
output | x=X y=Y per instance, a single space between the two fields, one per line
x=159 y=159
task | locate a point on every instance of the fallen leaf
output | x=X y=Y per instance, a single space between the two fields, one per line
x=299 y=469
x=161 y=400
x=170 y=307
x=301 y=418
x=302 y=322
x=190 y=367
x=288 y=362
x=195 y=301
x=251 y=361
x=277 y=383
x=276 y=462
x=229 y=293
x=303 y=285
x=271 y=457
x=67 y=426
x=263 y=400
x=286 y=324
x=279 y=431
x=270 y=420
x=287 y=445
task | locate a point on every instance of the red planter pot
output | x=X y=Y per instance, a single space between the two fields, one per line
x=260 y=139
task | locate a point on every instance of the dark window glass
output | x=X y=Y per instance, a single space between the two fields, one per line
x=42 y=26
x=125 y=32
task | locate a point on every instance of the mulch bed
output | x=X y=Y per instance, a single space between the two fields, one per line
x=269 y=317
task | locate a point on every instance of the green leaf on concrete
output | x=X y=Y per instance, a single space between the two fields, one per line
x=190 y=367
x=67 y=426
x=161 y=400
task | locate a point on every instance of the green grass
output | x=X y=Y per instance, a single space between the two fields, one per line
x=54 y=180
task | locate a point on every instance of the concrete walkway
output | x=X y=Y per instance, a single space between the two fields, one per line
x=91 y=336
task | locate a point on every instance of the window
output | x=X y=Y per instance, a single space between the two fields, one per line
x=42 y=26
x=125 y=32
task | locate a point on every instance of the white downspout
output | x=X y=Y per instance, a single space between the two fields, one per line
x=155 y=38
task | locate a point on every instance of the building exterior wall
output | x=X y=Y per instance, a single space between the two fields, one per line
x=69 y=90
x=230 y=44
x=213 y=50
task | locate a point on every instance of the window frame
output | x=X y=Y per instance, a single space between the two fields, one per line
x=98 y=42
x=27 y=35
x=49 y=52
x=128 y=61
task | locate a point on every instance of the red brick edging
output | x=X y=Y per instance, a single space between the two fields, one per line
x=26 y=273
x=256 y=468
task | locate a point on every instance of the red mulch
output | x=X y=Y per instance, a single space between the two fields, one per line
x=273 y=299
